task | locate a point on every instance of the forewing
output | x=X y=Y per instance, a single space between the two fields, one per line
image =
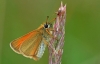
x=15 y=45
x=29 y=47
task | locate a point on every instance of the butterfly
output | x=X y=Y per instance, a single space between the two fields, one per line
x=32 y=44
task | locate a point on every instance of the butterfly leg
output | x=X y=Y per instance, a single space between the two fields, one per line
x=51 y=34
x=51 y=29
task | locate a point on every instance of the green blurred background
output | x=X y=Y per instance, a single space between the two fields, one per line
x=82 y=39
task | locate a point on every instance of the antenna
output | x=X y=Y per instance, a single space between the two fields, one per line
x=50 y=20
x=53 y=20
x=47 y=19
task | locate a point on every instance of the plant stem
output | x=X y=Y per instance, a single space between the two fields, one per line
x=56 y=44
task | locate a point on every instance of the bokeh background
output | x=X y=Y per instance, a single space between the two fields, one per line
x=82 y=38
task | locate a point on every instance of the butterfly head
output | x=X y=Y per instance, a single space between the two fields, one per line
x=47 y=24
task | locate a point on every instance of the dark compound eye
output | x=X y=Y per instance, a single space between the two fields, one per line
x=46 y=26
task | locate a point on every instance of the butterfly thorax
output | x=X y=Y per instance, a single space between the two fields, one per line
x=45 y=30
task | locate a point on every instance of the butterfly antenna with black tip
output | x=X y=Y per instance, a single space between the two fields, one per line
x=47 y=19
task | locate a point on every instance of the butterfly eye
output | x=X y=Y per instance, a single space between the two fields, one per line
x=46 y=26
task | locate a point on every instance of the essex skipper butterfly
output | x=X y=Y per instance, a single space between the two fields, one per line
x=32 y=45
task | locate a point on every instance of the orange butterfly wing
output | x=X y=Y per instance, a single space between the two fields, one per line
x=27 y=44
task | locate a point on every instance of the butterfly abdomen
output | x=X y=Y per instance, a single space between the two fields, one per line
x=41 y=50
